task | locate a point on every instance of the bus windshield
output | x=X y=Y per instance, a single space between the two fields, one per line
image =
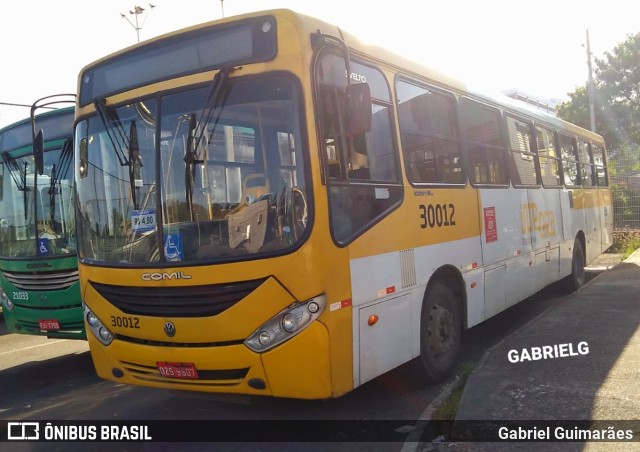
x=37 y=211
x=211 y=173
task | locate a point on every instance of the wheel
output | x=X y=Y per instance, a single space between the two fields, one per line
x=440 y=333
x=577 y=277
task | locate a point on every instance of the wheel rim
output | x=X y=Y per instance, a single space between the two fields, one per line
x=442 y=334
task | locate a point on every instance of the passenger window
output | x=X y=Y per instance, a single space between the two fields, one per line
x=600 y=166
x=586 y=166
x=361 y=171
x=568 y=150
x=548 y=157
x=429 y=128
x=485 y=152
x=521 y=156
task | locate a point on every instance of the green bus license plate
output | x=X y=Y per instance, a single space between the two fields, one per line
x=49 y=325
x=177 y=370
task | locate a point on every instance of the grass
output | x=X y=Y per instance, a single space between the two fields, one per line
x=447 y=410
x=626 y=246
x=629 y=246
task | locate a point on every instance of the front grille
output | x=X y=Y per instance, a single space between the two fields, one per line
x=137 y=340
x=186 y=301
x=58 y=280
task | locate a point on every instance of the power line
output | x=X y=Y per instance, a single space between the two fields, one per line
x=12 y=104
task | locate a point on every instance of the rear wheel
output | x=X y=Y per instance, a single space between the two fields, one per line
x=440 y=333
x=577 y=277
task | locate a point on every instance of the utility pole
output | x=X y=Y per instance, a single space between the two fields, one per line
x=136 y=11
x=222 y=7
x=591 y=91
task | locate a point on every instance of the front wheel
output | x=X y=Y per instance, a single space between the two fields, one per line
x=440 y=333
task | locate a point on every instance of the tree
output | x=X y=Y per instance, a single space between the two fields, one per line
x=617 y=96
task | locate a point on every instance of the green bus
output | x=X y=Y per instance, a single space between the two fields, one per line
x=39 y=284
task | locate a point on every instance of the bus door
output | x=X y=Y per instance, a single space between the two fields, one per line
x=572 y=199
x=521 y=279
x=591 y=204
x=545 y=210
x=604 y=196
x=503 y=247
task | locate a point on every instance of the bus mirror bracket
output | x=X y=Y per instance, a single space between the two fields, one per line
x=358 y=95
x=38 y=139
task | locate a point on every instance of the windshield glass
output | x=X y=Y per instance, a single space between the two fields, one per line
x=42 y=203
x=214 y=173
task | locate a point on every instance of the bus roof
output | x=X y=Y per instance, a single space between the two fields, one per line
x=308 y=25
x=19 y=134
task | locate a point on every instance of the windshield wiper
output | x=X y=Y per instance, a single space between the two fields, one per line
x=120 y=141
x=114 y=128
x=215 y=100
x=134 y=159
x=14 y=167
x=190 y=165
x=21 y=182
x=64 y=162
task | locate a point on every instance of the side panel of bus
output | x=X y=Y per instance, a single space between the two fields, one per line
x=391 y=266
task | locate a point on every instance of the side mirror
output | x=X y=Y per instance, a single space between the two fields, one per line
x=1 y=182
x=359 y=96
x=38 y=151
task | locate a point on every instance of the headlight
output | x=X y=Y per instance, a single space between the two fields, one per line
x=95 y=325
x=286 y=324
x=5 y=301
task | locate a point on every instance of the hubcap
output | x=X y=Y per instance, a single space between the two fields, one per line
x=441 y=332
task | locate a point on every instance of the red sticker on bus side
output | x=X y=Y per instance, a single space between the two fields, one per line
x=490 y=226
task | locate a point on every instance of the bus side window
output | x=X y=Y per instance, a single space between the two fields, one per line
x=568 y=150
x=585 y=163
x=600 y=167
x=361 y=169
x=481 y=129
x=521 y=152
x=428 y=125
x=548 y=157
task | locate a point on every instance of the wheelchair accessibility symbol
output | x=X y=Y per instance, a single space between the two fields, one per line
x=173 y=246
x=43 y=247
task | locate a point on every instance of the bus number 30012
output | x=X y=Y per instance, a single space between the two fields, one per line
x=125 y=321
x=437 y=215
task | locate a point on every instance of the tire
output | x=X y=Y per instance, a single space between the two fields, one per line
x=440 y=334
x=577 y=277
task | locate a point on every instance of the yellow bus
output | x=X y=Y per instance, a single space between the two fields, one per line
x=268 y=206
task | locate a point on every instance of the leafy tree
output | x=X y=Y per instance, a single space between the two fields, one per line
x=617 y=96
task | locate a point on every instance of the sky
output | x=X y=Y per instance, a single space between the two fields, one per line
x=536 y=47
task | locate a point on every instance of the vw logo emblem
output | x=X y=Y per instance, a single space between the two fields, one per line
x=169 y=329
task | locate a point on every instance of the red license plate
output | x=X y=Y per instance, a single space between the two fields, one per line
x=177 y=370
x=49 y=325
